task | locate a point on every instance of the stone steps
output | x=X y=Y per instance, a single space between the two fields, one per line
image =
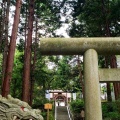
x=62 y=113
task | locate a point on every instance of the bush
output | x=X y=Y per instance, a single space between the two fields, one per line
x=110 y=110
x=118 y=104
x=39 y=104
x=76 y=106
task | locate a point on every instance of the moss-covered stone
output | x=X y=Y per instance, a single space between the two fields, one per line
x=14 y=109
x=77 y=46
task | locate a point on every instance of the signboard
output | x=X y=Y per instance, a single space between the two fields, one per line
x=48 y=106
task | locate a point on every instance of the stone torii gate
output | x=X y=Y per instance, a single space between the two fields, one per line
x=89 y=48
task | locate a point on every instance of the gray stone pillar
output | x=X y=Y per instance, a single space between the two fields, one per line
x=93 y=109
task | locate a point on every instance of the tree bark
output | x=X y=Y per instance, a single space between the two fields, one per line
x=1 y=27
x=112 y=58
x=2 y=16
x=2 y=20
x=33 y=65
x=5 y=52
x=109 y=97
x=113 y=64
x=12 y=45
x=80 y=76
x=27 y=62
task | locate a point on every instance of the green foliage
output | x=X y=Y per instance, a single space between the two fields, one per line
x=76 y=105
x=66 y=74
x=48 y=14
x=94 y=17
x=118 y=104
x=39 y=103
x=63 y=72
x=16 y=83
x=110 y=110
x=51 y=115
x=101 y=61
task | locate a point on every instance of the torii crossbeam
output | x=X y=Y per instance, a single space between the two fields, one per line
x=89 y=48
x=78 y=46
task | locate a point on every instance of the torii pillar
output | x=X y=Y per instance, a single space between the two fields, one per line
x=92 y=89
x=89 y=48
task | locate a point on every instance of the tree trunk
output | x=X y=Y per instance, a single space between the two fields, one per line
x=5 y=52
x=113 y=64
x=2 y=20
x=112 y=58
x=109 y=97
x=33 y=66
x=27 y=62
x=106 y=12
x=10 y=57
x=1 y=27
x=80 y=76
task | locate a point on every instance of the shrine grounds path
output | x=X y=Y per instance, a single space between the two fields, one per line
x=62 y=113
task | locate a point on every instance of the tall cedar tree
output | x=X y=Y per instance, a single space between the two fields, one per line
x=6 y=40
x=27 y=61
x=33 y=65
x=12 y=46
x=80 y=75
x=105 y=10
x=1 y=24
x=113 y=64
